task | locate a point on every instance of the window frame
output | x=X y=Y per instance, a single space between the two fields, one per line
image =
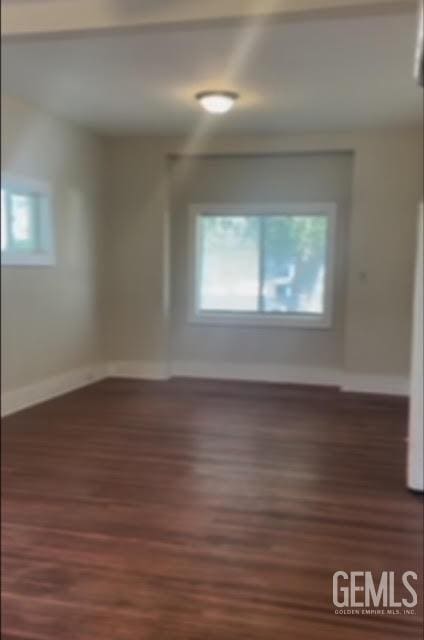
x=13 y=184
x=259 y=318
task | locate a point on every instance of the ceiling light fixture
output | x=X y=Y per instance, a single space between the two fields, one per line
x=217 y=101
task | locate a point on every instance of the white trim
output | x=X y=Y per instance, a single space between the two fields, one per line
x=138 y=369
x=255 y=319
x=23 y=397
x=290 y=374
x=415 y=466
x=257 y=372
x=21 y=259
x=375 y=383
x=357 y=383
x=303 y=320
x=24 y=183
x=419 y=47
x=45 y=256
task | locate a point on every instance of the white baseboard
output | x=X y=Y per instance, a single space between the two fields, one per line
x=353 y=382
x=257 y=372
x=23 y=397
x=378 y=384
x=263 y=372
x=141 y=369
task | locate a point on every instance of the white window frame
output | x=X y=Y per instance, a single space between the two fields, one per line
x=28 y=186
x=256 y=318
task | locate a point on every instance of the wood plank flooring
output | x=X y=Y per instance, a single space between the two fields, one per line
x=199 y=510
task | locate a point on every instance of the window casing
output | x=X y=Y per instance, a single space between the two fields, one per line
x=27 y=237
x=270 y=265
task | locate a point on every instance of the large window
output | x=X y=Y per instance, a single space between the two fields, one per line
x=263 y=264
x=26 y=224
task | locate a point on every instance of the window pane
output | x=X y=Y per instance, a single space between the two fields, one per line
x=3 y=221
x=294 y=263
x=23 y=231
x=229 y=263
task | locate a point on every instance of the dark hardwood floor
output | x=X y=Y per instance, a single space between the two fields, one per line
x=196 y=510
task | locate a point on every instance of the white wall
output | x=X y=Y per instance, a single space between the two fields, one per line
x=50 y=315
x=263 y=179
x=115 y=306
x=135 y=287
x=386 y=187
x=386 y=191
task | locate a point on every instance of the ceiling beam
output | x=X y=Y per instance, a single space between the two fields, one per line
x=25 y=18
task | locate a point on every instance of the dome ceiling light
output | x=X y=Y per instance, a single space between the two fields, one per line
x=217 y=101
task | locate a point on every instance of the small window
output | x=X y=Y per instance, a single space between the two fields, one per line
x=26 y=224
x=269 y=265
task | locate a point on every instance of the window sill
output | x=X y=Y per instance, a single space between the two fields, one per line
x=294 y=321
x=27 y=260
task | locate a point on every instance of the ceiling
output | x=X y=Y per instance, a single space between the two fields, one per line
x=321 y=74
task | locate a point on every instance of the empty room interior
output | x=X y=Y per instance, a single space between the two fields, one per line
x=212 y=351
